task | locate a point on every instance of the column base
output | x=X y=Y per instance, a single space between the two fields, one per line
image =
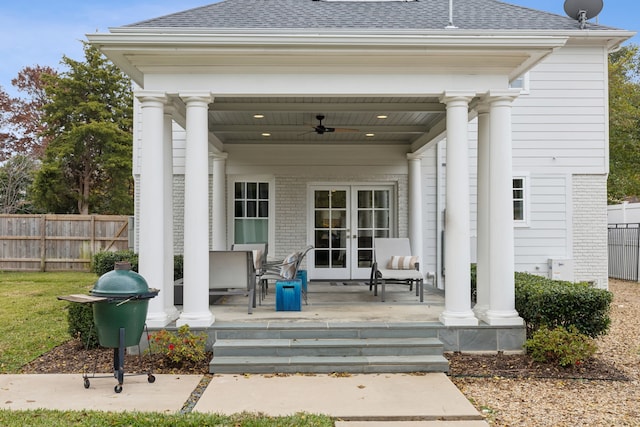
x=196 y=320
x=501 y=318
x=448 y=318
x=162 y=318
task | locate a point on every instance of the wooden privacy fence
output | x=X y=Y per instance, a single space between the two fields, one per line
x=58 y=242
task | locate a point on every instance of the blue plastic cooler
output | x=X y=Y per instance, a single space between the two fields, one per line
x=289 y=295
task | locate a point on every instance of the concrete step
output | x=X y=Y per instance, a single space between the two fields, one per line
x=328 y=347
x=328 y=364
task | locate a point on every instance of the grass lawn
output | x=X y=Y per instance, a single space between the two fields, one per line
x=33 y=321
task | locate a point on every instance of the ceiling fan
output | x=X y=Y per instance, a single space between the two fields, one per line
x=322 y=129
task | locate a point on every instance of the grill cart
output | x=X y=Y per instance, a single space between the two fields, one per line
x=120 y=300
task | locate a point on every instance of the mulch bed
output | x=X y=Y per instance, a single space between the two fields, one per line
x=72 y=357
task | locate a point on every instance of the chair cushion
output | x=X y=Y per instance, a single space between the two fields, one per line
x=288 y=270
x=402 y=262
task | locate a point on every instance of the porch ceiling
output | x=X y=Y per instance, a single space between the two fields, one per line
x=288 y=120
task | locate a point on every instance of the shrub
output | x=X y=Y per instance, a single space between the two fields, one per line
x=474 y=284
x=180 y=347
x=565 y=347
x=80 y=319
x=103 y=262
x=544 y=302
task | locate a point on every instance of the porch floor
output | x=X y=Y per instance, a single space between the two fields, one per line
x=339 y=302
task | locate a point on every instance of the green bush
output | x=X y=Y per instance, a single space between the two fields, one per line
x=103 y=262
x=80 y=319
x=565 y=347
x=180 y=347
x=551 y=303
x=474 y=284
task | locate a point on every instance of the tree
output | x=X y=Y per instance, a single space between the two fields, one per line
x=87 y=164
x=624 y=124
x=23 y=131
x=16 y=176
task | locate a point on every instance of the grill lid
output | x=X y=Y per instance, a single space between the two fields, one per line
x=121 y=282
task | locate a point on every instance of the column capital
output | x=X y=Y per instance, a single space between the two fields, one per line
x=414 y=156
x=151 y=96
x=455 y=96
x=219 y=156
x=494 y=96
x=195 y=97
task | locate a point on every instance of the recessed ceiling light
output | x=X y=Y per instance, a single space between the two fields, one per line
x=266 y=134
x=369 y=135
x=382 y=116
x=258 y=116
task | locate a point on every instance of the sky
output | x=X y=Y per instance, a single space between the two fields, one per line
x=40 y=32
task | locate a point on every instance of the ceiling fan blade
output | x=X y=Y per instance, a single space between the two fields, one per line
x=345 y=130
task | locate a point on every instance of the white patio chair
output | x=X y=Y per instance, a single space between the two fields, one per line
x=233 y=273
x=395 y=264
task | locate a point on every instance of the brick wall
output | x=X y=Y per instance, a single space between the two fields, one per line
x=590 y=228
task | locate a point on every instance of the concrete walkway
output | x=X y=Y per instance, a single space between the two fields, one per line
x=372 y=400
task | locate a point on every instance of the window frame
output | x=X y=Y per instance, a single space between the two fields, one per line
x=526 y=196
x=231 y=199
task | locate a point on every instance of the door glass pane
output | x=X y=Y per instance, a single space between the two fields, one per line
x=322 y=239
x=365 y=219
x=365 y=199
x=381 y=199
x=382 y=219
x=321 y=258
x=382 y=233
x=322 y=219
x=339 y=219
x=365 y=258
x=338 y=199
x=339 y=259
x=339 y=239
x=321 y=199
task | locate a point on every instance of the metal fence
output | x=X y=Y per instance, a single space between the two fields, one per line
x=624 y=251
x=58 y=242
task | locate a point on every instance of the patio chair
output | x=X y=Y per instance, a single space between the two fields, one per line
x=285 y=269
x=394 y=264
x=233 y=273
x=259 y=253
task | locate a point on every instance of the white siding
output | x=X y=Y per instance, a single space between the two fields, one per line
x=561 y=125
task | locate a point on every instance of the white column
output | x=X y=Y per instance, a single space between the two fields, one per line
x=152 y=204
x=218 y=204
x=501 y=252
x=482 y=271
x=196 y=311
x=457 y=310
x=167 y=183
x=415 y=207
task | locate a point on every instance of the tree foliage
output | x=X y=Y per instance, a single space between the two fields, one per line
x=87 y=164
x=624 y=124
x=16 y=176
x=22 y=129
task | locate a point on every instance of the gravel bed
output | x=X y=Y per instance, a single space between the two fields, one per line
x=506 y=401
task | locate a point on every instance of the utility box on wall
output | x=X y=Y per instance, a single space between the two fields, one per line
x=560 y=269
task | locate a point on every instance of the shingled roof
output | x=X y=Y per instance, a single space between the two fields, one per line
x=362 y=15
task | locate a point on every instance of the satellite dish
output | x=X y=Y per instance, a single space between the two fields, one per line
x=582 y=10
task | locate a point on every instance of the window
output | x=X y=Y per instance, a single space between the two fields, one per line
x=519 y=207
x=251 y=212
x=521 y=83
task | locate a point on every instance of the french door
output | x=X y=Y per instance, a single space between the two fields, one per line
x=343 y=221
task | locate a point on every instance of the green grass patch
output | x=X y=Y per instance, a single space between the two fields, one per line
x=32 y=319
x=46 y=418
